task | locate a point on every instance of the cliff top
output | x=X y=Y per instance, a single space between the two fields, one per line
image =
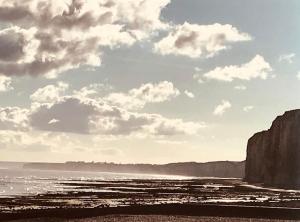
x=285 y=116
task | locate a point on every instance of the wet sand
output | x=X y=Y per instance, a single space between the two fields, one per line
x=196 y=197
x=226 y=211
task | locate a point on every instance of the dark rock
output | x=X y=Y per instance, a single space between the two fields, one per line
x=273 y=156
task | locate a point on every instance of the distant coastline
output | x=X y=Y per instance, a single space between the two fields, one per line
x=225 y=169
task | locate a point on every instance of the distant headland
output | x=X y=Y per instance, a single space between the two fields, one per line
x=225 y=169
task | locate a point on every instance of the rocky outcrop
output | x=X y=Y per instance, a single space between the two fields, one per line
x=273 y=156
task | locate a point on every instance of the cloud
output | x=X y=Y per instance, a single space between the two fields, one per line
x=256 y=68
x=240 y=87
x=199 y=78
x=49 y=37
x=189 y=94
x=197 y=69
x=197 y=75
x=13 y=118
x=49 y=93
x=53 y=121
x=17 y=44
x=221 y=109
x=248 y=108
x=137 y=98
x=93 y=89
x=5 y=84
x=71 y=115
x=196 y=41
x=39 y=141
x=54 y=110
x=287 y=58
x=88 y=116
x=298 y=75
x=19 y=140
x=168 y=127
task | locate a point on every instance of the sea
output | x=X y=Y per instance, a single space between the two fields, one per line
x=20 y=182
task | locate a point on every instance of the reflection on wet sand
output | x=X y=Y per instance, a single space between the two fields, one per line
x=99 y=194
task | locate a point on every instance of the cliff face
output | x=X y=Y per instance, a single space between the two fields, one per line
x=273 y=156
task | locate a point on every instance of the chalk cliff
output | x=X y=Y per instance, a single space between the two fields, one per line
x=273 y=156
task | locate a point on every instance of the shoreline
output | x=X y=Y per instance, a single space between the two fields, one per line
x=226 y=211
x=216 y=198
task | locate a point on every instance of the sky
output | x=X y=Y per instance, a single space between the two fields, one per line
x=143 y=81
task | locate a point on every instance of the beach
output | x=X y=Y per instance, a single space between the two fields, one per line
x=197 y=198
x=71 y=196
x=154 y=218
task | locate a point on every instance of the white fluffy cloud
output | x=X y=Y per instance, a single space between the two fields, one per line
x=88 y=116
x=49 y=37
x=13 y=118
x=195 y=40
x=93 y=89
x=287 y=58
x=222 y=108
x=256 y=68
x=49 y=93
x=189 y=94
x=137 y=98
x=5 y=84
x=54 y=110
